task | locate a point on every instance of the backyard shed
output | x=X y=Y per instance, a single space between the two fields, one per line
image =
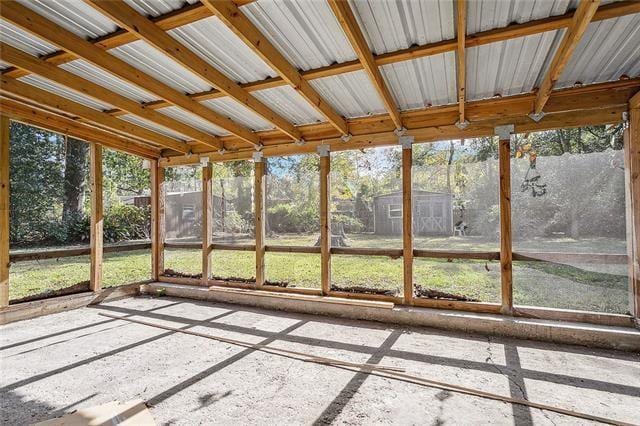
x=518 y=119
x=432 y=213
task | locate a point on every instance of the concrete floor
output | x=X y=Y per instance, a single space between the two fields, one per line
x=59 y=363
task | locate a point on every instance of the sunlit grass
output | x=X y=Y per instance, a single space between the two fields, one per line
x=602 y=288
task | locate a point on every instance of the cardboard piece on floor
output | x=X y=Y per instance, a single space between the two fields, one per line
x=132 y=413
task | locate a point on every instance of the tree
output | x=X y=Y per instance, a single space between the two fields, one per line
x=75 y=173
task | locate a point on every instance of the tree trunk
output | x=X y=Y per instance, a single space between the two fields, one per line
x=75 y=170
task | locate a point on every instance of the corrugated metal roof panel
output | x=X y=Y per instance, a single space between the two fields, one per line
x=105 y=79
x=60 y=90
x=158 y=7
x=608 y=50
x=192 y=120
x=289 y=104
x=422 y=82
x=148 y=59
x=350 y=94
x=4 y=65
x=510 y=67
x=214 y=42
x=24 y=41
x=153 y=126
x=74 y=15
x=306 y=32
x=490 y=14
x=393 y=25
x=239 y=113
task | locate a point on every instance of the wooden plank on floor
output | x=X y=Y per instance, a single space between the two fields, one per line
x=132 y=413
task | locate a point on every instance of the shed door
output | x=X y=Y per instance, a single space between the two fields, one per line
x=431 y=217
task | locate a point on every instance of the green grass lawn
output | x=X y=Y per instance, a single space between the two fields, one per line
x=602 y=288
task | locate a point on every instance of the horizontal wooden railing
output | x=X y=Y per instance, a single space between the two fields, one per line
x=74 y=251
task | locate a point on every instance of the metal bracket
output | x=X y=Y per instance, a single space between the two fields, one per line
x=406 y=141
x=323 y=150
x=204 y=161
x=346 y=138
x=504 y=132
x=222 y=151
x=257 y=157
x=259 y=147
x=537 y=117
x=300 y=142
x=400 y=132
x=625 y=116
x=462 y=125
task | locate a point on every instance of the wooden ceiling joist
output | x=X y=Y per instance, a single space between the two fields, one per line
x=581 y=19
x=145 y=29
x=233 y=17
x=16 y=88
x=344 y=14
x=461 y=67
x=64 y=39
x=37 y=66
x=36 y=117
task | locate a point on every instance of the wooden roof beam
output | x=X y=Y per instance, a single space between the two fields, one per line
x=233 y=17
x=344 y=14
x=461 y=68
x=16 y=88
x=581 y=19
x=33 y=116
x=64 y=39
x=129 y=18
x=37 y=66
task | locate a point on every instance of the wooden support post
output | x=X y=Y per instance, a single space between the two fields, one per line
x=4 y=210
x=325 y=218
x=632 y=174
x=259 y=199
x=157 y=220
x=506 y=255
x=207 y=219
x=97 y=217
x=407 y=218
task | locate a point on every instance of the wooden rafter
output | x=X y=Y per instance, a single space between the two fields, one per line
x=35 y=65
x=43 y=28
x=129 y=18
x=581 y=19
x=344 y=14
x=461 y=68
x=16 y=88
x=59 y=124
x=233 y=17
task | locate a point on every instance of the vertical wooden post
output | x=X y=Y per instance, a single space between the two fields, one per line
x=506 y=255
x=157 y=220
x=207 y=219
x=259 y=200
x=4 y=210
x=407 y=218
x=325 y=218
x=632 y=172
x=97 y=217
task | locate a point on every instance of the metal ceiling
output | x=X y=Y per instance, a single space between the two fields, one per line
x=309 y=36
